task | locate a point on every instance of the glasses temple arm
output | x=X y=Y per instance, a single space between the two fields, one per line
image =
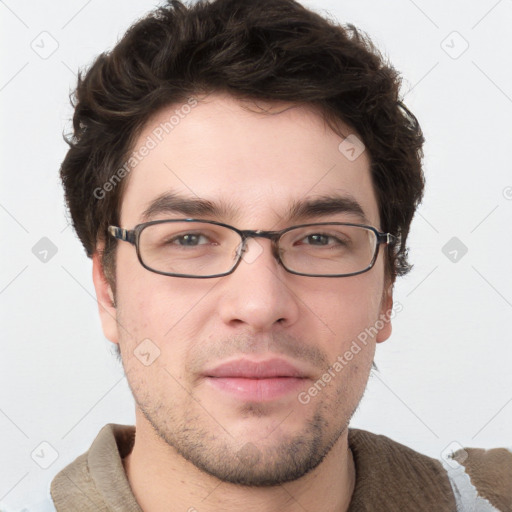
x=122 y=234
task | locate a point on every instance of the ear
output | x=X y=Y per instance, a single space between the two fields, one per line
x=105 y=299
x=385 y=314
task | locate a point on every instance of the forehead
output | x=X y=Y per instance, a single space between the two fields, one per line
x=255 y=161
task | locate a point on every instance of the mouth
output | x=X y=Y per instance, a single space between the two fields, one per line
x=260 y=381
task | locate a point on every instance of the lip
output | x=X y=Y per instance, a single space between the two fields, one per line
x=260 y=381
x=245 y=368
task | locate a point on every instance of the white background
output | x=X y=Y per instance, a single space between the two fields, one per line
x=445 y=374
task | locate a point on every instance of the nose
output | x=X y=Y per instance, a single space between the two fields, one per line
x=258 y=294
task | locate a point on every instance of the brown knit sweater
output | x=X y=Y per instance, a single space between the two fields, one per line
x=389 y=477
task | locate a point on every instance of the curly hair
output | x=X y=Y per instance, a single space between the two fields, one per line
x=254 y=49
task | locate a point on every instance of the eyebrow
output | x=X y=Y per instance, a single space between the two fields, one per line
x=324 y=206
x=190 y=207
x=299 y=210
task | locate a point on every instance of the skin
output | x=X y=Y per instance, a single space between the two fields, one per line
x=195 y=446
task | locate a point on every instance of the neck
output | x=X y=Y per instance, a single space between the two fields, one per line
x=162 y=480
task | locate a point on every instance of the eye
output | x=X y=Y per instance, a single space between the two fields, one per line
x=318 y=239
x=189 y=240
x=321 y=240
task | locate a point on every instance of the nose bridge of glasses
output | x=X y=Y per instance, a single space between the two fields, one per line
x=247 y=234
x=260 y=233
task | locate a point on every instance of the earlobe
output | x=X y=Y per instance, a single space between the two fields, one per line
x=105 y=299
x=386 y=311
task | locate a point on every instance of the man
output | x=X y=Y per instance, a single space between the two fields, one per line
x=243 y=175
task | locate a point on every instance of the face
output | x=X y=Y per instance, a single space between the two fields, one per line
x=226 y=368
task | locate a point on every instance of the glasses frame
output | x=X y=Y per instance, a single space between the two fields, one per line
x=132 y=236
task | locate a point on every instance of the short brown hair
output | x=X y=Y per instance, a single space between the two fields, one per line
x=256 y=49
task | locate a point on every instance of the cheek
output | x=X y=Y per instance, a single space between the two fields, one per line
x=350 y=309
x=348 y=303
x=162 y=309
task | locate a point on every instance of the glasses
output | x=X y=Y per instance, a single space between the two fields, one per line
x=204 y=248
